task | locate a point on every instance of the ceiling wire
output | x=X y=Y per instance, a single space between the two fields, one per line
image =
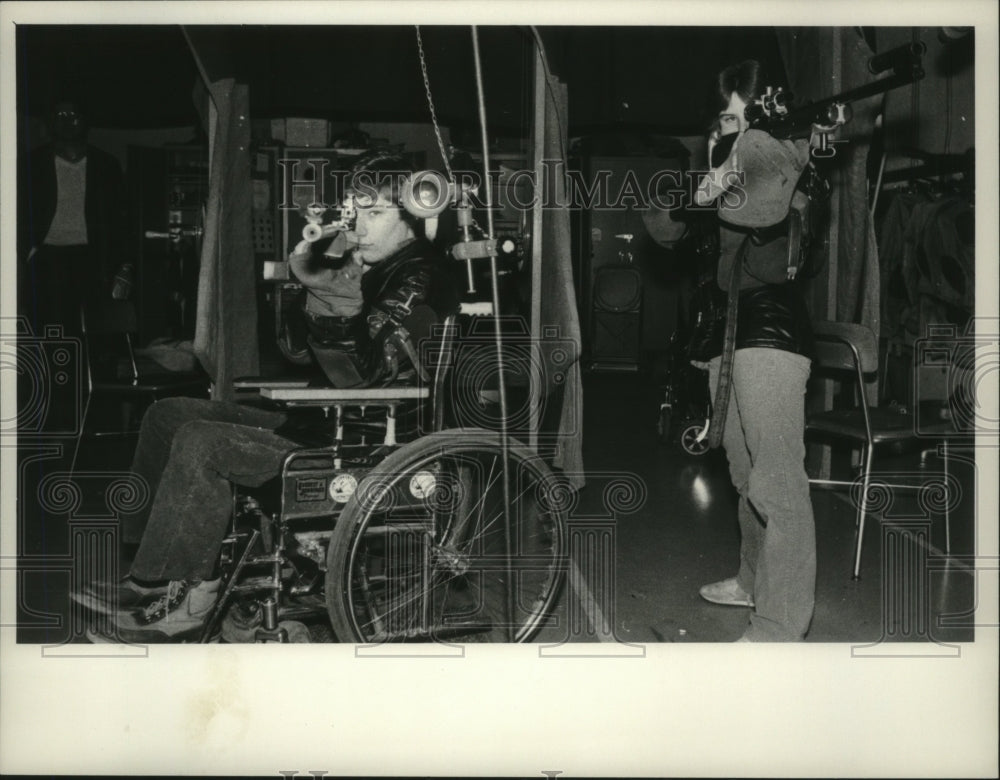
x=430 y=104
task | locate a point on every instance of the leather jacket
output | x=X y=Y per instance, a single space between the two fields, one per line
x=404 y=296
x=772 y=311
x=774 y=316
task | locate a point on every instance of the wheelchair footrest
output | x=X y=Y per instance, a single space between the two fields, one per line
x=302 y=610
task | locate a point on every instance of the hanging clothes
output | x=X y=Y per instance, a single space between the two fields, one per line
x=927 y=249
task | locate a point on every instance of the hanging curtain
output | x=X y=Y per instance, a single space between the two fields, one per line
x=226 y=325
x=557 y=294
x=858 y=281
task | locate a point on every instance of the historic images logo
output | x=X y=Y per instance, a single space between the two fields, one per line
x=553 y=186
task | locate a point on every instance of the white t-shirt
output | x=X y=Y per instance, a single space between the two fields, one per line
x=69 y=225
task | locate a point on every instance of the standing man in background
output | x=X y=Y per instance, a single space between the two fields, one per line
x=70 y=223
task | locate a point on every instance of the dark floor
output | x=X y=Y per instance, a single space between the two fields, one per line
x=685 y=535
x=669 y=519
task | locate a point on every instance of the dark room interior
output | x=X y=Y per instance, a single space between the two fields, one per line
x=625 y=116
x=564 y=407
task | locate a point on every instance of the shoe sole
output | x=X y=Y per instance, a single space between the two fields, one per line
x=126 y=637
x=747 y=603
x=98 y=604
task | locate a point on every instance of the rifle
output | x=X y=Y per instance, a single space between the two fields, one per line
x=819 y=121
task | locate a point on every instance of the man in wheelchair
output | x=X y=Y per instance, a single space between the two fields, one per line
x=365 y=314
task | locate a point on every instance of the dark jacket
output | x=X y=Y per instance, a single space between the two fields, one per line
x=771 y=312
x=103 y=205
x=405 y=296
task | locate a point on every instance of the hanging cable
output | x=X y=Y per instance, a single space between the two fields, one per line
x=430 y=104
x=947 y=102
x=498 y=335
x=549 y=79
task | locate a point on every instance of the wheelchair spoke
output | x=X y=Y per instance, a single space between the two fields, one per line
x=498 y=515
x=369 y=600
x=491 y=482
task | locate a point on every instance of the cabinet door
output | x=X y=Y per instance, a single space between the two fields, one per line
x=167 y=191
x=617 y=335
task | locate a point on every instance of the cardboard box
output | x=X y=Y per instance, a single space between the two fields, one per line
x=301 y=132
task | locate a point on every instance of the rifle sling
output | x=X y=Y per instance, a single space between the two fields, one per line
x=722 y=392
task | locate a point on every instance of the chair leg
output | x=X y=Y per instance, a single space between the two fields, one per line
x=863 y=509
x=127 y=415
x=80 y=434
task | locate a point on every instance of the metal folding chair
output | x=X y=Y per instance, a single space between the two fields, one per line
x=849 y=351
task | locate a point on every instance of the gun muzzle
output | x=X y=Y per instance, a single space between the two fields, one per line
x=314 y=232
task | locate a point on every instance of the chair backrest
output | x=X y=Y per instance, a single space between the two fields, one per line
x=107 y=335
x=848 y=347
x=845 y=346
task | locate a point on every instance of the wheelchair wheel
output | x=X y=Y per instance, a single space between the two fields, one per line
x=418 y=554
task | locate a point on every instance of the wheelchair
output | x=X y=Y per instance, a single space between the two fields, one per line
x=686 y=409
x=687 y=405
x=377 y=538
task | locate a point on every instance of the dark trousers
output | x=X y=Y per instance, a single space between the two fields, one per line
x=189 y=454
x=56 y=282
x=52 y=287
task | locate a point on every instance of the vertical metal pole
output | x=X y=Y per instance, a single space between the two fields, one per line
x=833 y=248
x=498 y=334
x=535 y=387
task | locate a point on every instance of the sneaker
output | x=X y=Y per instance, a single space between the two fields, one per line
x=728 y=593
x=109 y=597
x=178 y=614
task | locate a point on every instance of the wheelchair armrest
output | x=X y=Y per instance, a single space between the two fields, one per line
x=302 y=395
x=260 y=382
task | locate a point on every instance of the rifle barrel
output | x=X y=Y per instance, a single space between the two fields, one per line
x=799 y=121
